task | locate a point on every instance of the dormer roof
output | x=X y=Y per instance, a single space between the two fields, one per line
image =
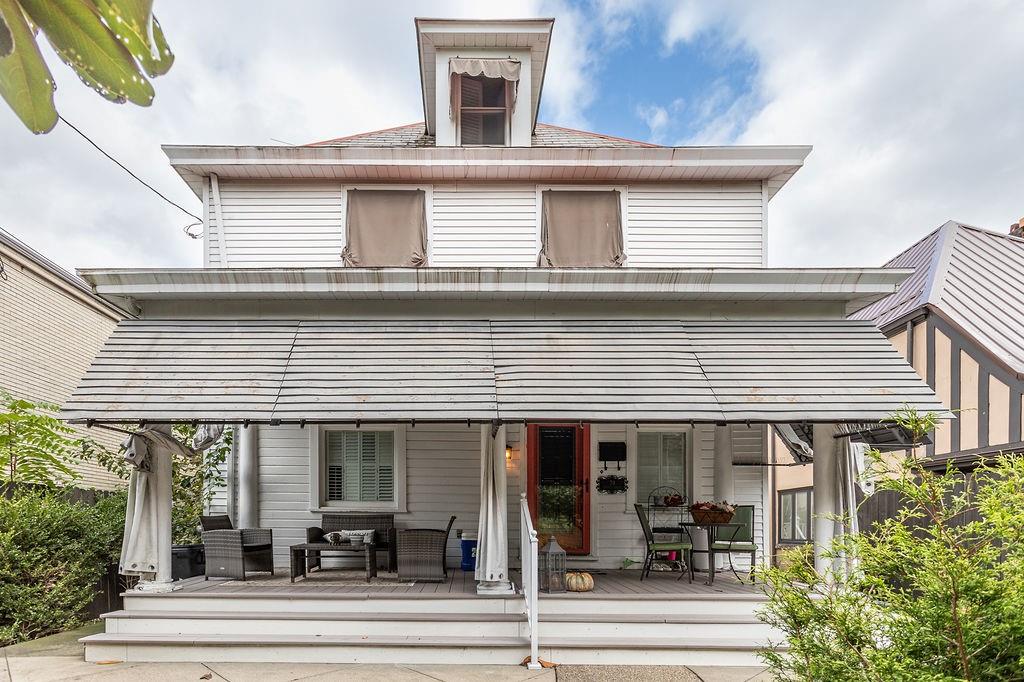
x=519 y=34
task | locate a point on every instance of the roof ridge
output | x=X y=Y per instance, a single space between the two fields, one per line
x=940 y=262
x=989 y=231
x=364 y=134
x=601 y=135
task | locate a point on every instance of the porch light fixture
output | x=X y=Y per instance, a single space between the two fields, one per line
x=508 y=454
x=551 y=567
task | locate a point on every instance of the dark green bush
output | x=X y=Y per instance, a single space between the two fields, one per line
x=52 y=552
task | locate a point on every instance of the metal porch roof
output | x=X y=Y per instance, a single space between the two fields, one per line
x=649 y=370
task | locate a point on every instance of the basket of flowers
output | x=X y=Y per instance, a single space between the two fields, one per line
x=712 y=512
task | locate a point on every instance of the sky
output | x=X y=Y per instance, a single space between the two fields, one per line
x=915 y=110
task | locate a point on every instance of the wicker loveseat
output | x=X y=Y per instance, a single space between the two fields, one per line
x=383 y=526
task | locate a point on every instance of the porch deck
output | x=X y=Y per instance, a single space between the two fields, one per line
x=607 y=584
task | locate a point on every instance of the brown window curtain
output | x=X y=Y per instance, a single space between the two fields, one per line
x=386 y=228
x=581 y=229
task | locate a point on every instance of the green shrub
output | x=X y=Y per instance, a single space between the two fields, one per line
x=52 y=552
x=938 y=594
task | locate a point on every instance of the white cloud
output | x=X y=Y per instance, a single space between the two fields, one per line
x=913 y=110
x=246 y=73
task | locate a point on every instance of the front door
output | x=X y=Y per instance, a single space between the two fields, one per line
x=559 y=484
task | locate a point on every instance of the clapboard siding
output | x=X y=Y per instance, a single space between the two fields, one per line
x=695 y=225
x=442 y=478
x=280 y=223
x=616 y=531
x=484 y=226
x=277 y=224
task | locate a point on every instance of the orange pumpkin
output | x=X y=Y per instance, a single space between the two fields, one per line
x=578 y=581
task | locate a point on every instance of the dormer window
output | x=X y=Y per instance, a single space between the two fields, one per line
x=483 y=97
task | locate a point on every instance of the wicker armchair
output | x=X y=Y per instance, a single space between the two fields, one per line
x=230 y=552
x=383 y=537
x=421 y=553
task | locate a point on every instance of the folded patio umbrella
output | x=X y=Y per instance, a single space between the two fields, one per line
x=139 y=547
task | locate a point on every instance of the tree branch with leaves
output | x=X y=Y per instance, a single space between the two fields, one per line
x=114 y=46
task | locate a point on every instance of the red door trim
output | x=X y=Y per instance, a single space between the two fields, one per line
x=582 y=474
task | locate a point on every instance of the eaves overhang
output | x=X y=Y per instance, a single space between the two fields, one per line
x=453 y=164
x=852 y=286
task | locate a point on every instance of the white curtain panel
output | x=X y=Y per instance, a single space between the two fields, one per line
x=139 y=547
x=492 y=537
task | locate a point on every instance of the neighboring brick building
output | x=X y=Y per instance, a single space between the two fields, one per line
x=51 y=327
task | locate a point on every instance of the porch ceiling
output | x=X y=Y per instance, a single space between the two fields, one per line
x=452 y=370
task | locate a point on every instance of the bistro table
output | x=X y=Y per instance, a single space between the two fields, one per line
x=298 y=554
x=711 y=532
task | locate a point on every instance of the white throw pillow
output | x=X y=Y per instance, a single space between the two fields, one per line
x=365 y=536
x=335 y=537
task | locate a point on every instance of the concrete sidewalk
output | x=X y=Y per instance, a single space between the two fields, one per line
x=59 y=657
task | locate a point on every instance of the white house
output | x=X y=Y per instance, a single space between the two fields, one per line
x=481 y=301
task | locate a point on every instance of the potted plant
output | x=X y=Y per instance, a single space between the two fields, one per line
x=712 y=512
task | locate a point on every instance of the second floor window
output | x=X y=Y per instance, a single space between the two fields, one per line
x=483 y=96
x=581 y=229
x=385 y=228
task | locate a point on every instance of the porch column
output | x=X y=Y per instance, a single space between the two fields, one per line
x=723 y=486
x=824 y=480
x=492 y=536
x=248 y=477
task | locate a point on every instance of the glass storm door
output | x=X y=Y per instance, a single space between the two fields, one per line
x=559 y=484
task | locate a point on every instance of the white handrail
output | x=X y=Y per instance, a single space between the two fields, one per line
x=528 y=552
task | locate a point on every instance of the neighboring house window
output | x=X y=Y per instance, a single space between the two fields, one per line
x=484 y=110
x=661 y=461
x=795 y=515
x=362 y=469
x=581 y=228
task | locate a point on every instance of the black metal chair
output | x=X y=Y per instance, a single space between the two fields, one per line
x=230 y=551
x=740 y=540
x=684 y=548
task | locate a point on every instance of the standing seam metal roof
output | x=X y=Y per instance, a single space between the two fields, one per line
x=453 y=370
x=971 y=276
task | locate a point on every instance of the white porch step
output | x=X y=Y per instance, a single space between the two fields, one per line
x=315 y=623
x=712 y=605
x=718 y=651
x=261 y=601
x=305 y=648
x=641 y=627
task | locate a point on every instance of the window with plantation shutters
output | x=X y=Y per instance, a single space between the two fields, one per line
x=661 y=461
x=360 y=466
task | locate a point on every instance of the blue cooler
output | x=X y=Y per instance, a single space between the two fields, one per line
x=469 y=552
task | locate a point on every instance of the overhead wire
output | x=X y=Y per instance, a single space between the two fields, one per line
x=127 y=170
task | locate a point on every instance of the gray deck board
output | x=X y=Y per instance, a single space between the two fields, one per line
x=608 y=583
